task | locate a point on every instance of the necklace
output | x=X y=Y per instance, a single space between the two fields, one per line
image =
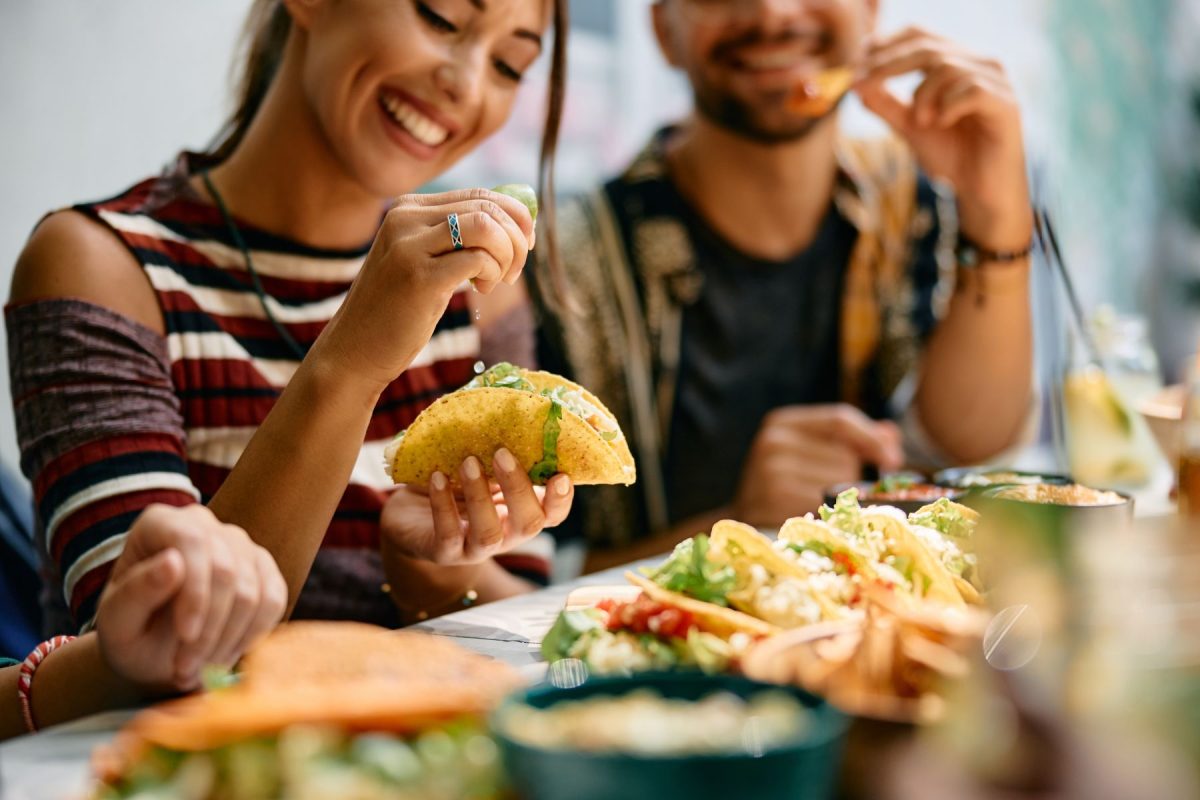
x=236 y=235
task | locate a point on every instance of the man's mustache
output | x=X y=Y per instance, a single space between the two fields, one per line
x=727 y=48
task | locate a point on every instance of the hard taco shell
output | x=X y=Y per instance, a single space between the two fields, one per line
x=717 y=620
x=479 y=421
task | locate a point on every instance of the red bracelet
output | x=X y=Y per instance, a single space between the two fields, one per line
x=25 y=679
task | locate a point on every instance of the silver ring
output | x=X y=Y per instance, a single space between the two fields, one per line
x=455 y=233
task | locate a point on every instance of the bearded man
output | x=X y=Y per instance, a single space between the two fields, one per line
x=770 y=307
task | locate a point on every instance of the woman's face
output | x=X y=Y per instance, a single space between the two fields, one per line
x=402 y=89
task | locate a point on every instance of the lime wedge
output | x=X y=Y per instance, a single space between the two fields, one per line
x=1089 y=392
x=523 y=192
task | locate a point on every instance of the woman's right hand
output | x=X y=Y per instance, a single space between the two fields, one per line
x=413 y=270
x=186 y=592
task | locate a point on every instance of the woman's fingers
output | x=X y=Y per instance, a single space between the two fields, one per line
x=485 y=532
x=439 y=204
x=132 y=599
x=221 y=582
x=247 y=595
x=526 y=516
x=560 y=494
x=272 y=603
x=447 y=524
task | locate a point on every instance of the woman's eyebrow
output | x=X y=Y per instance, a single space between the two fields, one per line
x=521 y=32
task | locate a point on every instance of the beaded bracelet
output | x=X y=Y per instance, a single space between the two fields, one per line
x=25 y=679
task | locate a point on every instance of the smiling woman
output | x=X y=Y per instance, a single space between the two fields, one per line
x=251 y=328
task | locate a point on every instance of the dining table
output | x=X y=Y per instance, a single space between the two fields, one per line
x=53 y=764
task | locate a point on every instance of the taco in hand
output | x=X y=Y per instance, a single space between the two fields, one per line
x=548 y=423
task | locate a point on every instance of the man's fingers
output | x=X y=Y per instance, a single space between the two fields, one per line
x=880 y=101
x=845 y=424
x=130 y=601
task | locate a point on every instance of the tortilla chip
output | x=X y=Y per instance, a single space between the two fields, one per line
x=478 y=422
x=817 y=96
x=717 y=620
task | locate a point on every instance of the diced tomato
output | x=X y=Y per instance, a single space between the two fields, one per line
x=845 y=562
x=644 y=615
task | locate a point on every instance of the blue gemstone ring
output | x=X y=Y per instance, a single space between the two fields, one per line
x=455 y=233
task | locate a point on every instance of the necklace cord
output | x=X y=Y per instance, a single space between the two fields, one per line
x=236 y=235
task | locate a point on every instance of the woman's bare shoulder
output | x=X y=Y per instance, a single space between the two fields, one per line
x=70 y=255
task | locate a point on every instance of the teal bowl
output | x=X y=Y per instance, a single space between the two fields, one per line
x=804 y=770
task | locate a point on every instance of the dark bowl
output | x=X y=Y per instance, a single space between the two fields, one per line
x=908 y=506
x=959 y=478
x=799 y=771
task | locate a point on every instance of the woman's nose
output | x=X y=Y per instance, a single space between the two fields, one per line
x=459 y=80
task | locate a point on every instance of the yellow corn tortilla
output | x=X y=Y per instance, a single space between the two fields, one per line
x=799 y=530
x=348 y=675
x=904 y=542
x=479 y=421
x=717 y=620
x=758 y=549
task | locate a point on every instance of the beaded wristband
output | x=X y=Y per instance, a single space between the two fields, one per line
x=25 y=678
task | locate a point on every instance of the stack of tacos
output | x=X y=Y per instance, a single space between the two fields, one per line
x=548 y=423
x=734 y=586
x=322 y=709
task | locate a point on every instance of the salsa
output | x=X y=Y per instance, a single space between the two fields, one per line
x=904 y=489
x=644 y=615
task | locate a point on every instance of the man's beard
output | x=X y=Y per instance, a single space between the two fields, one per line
x=737 y=117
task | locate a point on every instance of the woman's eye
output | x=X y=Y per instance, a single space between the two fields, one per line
x=506 y=72
x=435 y=20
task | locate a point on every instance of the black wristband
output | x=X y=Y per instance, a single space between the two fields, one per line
x=970 y=255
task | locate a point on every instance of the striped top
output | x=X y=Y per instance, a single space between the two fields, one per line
x=112 y=416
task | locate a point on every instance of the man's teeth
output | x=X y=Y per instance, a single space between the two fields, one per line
x=770 y=61
x=421 y=127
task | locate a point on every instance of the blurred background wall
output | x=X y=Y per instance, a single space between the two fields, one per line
x=97 y=95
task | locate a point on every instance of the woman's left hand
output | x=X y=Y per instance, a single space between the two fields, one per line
x=433 y=524
x=963 y=124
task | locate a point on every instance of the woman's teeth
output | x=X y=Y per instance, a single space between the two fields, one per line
x=419 y=126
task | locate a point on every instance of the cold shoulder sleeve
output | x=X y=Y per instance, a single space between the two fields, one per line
x=101 y=435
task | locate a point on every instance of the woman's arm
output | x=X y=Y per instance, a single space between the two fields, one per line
x=187 y=591
x=287 y=484
x=72 y=682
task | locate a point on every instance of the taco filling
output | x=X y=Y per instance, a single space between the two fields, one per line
x=618 y=637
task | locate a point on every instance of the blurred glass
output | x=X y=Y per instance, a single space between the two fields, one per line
x=1189 y=446
x=1108 y=442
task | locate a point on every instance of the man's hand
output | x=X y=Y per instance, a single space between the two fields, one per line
x=800 y=451
x=187 y=591
x=964 y=126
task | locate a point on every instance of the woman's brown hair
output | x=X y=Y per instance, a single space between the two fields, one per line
x=263 y=39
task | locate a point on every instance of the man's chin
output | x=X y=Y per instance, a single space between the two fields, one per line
x=743 y=122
